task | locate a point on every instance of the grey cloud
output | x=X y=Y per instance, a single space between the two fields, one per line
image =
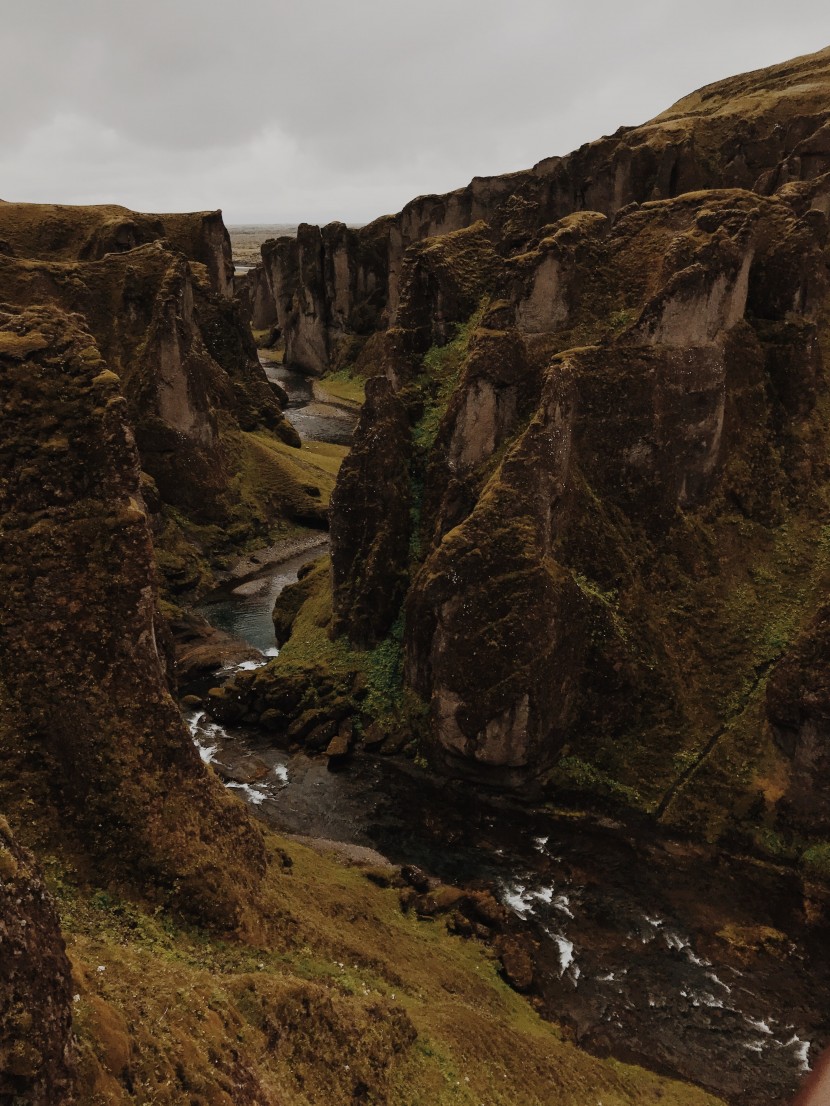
x=282 y=110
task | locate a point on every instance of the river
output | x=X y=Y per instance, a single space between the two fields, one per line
x=644 y=941
x=320 y=419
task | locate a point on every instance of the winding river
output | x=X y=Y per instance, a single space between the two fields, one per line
x=639 y=936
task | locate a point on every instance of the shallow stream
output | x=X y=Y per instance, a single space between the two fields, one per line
x=314 y=420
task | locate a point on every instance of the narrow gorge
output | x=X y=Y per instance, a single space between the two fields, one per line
x=414 y=646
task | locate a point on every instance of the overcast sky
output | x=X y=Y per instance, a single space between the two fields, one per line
x=284 y=110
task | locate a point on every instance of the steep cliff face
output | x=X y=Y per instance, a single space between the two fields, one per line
x=209 y=426
x=757 y=131
x=617 y=472
x=542 y=618
x=90 y=733
x=203 y=962
x=325 y=289
x=371 y=506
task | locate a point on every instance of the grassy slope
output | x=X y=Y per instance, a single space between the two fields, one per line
x=269 y=488
x=353 y=1001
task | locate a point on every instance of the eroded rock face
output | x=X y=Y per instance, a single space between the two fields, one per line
x=88 y=718
x=55 y=232
x=492 y=622
x=758 y=131
x=633 y=394
x=502 y=632
x=611 y=399
x=323 y=289
x=499 y=389
x=798 y=709
x=371 y=503
x=35 y=985
x=205 y=417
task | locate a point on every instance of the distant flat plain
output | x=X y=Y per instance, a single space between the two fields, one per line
x=246 y=238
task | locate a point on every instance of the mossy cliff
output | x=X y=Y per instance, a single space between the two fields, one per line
x=90 y=733
x=157 y=945
x=35 y=1000
x=617 y=483
x=224 y=469
x=330 y=288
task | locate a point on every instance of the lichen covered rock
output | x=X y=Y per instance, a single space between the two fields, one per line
x=35 y=985
x=88 y=721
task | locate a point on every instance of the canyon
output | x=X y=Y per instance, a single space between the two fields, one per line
x=554 y=702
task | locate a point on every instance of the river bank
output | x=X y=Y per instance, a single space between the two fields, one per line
x=650 y=949
x=315 y=413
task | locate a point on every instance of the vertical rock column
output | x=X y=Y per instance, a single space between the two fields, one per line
x=92 y=719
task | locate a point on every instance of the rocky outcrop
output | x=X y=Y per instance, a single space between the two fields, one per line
x=757 y=131
x=55 y=232
x=256 y=299
x=89 y=726
x=183 y=358
x=371 y=504
x=610 y=437
x=515 y=627
x=35 y=985
x=608 y=432
x=206 y=420
x=326 y=290
x=798 y=708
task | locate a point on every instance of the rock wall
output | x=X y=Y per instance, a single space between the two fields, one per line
x=155 y=299
x=616 y=477
x=89 y=727
x=326 y=290
x=371 y=506
x=55 y=232
x=617 y=460
x=757 y=131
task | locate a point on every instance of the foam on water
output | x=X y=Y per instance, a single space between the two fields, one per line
x=250 y=793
